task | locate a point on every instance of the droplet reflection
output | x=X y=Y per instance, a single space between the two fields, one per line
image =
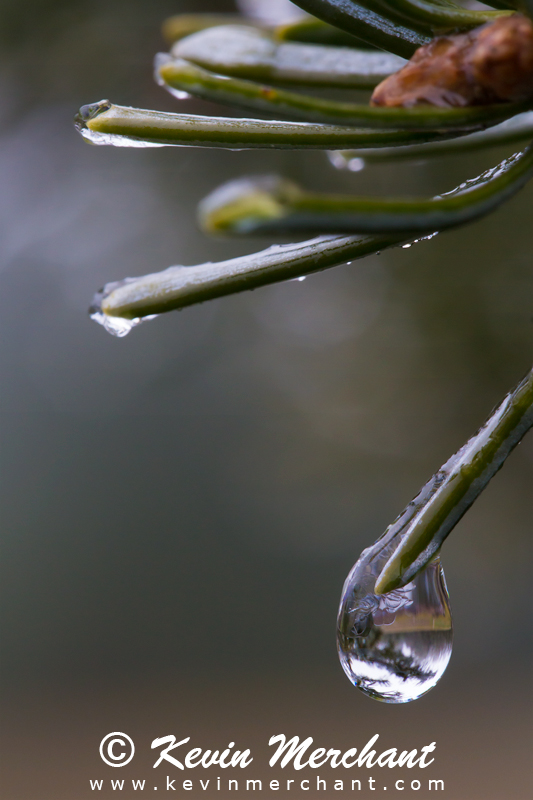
x=394 y=647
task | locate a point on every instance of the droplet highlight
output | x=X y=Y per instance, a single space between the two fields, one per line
x=345 y=159
x=394 y=647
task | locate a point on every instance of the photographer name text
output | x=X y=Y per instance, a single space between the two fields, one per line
x=118 y=749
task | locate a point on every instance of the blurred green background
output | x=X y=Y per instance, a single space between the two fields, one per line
x=181 y=507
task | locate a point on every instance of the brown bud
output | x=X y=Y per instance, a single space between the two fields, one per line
x=490 y=64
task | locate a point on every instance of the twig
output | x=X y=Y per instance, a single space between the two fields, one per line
x=104 y=123
x=513 y=130
x=362 y=19
x=243 y=51
x=272 y=205
x=177 y=287
x=434 y=512
x=442 y=16
x=181 y=75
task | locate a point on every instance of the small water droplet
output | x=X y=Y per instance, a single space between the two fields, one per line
x=90 y=112
x=405 y=246
x=179 y=94
x=394 y=647
x=116 y=326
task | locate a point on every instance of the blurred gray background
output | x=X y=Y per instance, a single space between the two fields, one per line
x=180 y=508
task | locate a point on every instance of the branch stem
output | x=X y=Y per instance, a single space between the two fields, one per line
x=181 y=25
x=315 y=31
x=272 y=205
x=242 y=51
x=179 y=286
x=512 y=131
x=386 y=31
x=443 y=16
x=104 y=123
x=432 y=515
x=180 y=75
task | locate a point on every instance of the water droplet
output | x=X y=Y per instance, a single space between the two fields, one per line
x=179 y=94
x=405 y=246
x=116 y=326
x=90 y=112
x=425 y=238
x=394 y=647
x=488 y=175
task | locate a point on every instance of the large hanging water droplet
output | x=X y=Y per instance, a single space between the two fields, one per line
x=394 y=647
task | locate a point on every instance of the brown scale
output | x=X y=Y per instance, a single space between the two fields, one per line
x=490 y=64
